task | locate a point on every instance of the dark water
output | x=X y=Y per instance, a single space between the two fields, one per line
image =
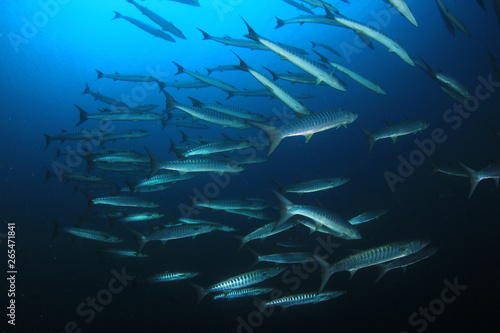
x=50 y=50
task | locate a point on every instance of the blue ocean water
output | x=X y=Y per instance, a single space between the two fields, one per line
x=50 y=50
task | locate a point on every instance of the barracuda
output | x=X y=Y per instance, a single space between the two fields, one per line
x=451 y=20
x=264 y=232
x=126 y=77
x=298 y=107
x=230 y=110
x=321 y=216
x=162 y=179
x=146 y=27
x=286 y=258
x=121 y=201
x=192 y=165
x=164 y=24
x=170 y=276
x=320 y=71
x=118 y=116
x=306 y=126
x=218 y=226
x=139 y=217
x=403 y=8
x=314 y=185
x=209 y=115
x=306 y=298
x=374 y=256
x=102 y=98
x=491 y=171
x=353 y=75
x=125 y=253
x=205 y=78
x=218 y=147
x=251 y=214
x=299 y=6
x=125 y=135
x=91 y=234
x=83 y=134
x=395 y=130
x=165 y=234
x=368 y=216
x=240 y=281
x=245 y=292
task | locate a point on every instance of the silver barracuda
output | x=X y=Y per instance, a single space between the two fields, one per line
x=146 y=27
x=299 y=6
x=403 y=8
x=318 y=70
x=83 y=134
x=304 y=78
x=161 y=179
x=230 y=110
x=371 y=257
x=240 y=281
x=306 y=126
x=306 y=298
x=192 y=165
x=188 y=2
x=218 y=226
x=139 y=217
x=368 y=216
x=395 y=130
x=126 y=77
x=244 y=292
x=298 y=107
x=311 y=186
x=325 y=46
x=118 y=116
x=125 y=135
x=321 y=216
x=74 y=176
x=286 y=258
x=450 y=170
x=125 y=157
x=102 y=98
x=165 y=234
x=220 y=68
x=209 y=115
x=451 y=20
x=122 y=201
x=170 y=276
x=195 y=84
x=406 y=261
x=264 y=232
x=91 y=234
x=205 y=78
x=251 y=214
x=353 y=75
x=164 y=24
x=125 y=253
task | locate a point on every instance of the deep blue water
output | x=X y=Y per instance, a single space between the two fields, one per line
x=44 y=72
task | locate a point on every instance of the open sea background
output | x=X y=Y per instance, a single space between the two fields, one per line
x=45 y=70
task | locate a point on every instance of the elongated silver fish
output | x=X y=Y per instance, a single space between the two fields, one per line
x=125 y=253
x=306 y=298
x=264 y=232
x=170 y=276
x=297 y=106
x=341 y=227
x=244 y=292
x=188 y=2
x=192 y=165
x=220 y=68
x=320 y=71
x=205 y=78
x=353 y=75
x=286 y=258
x=368 y=216
x=117 y=116
x=299 y=6
x=325 y=46
x=406 y=261
x=122 y=201
x=304 y=78
x=395 y=130
x=240 y=281
x=125 y=135
x=229 y=204
x=146 y=27
x=161 y=179
x=251 y=214
x=230 y=110
x=218 y=147
x=139 y=217
x=310 y=186
x=165 y=234
x=74 y=176
x=450 y=18
x=121 y=157
x=102 y=98
x=209 y=115
x=450 y=170
x=183 y=84
x=83 y=134
x=91 y=234
x=306 y=126
x=126 y=77
x=218 y=226
x=374 y=256
x=164 y=24
x=475 y=177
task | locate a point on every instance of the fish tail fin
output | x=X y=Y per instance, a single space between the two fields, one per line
x=170 y=102
x=313 y=43
x=322 y=57
x=382 y=272
x=164 y=123
x=242 y=66
x=48 y=175
x=83 y=115
x=175 y=150
x=90 y=202
x=205 y=34
x=154 y=162
x=256 y=255
x=229 y=94
x=209 y=71
x=140 y=238
x=117 y=15
x=99 y=74
x=130 y=185
x=325 y=271
x=195 y=102
x=251 y=33
x=473 y=177
x=279 y=23
x=271 y=133
x=273 y=74
x=369 y=136
x=87 y=89
x=240 y=241
x=435 y=168
x=281 y=188
x=180 y=69
x=48 y=140
x=285 y=206
x=55 y=230
x=200 y=292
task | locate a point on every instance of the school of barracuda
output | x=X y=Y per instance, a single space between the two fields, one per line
x=140 y=172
